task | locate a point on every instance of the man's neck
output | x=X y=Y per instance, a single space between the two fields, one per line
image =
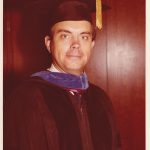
x=54 y=69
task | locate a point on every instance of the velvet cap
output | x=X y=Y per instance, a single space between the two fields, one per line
x=71 y=11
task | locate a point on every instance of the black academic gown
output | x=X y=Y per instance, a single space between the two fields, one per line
x=41 y=116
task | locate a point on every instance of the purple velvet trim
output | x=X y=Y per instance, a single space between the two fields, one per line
x=64 y=80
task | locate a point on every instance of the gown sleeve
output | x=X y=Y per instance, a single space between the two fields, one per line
x=27 y=123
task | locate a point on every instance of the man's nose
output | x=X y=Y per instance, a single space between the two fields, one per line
x=75 y=43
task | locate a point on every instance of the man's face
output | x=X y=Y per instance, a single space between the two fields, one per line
x=70 y=45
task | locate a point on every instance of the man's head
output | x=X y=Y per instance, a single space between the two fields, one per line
x=71 y=37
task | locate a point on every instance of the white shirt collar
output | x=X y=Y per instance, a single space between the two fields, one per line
x=53 y=69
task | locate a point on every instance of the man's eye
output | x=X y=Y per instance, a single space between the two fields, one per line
x=85 y=37
x=64 y=36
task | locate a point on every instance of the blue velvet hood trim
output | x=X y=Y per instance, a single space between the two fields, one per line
x=64 y=80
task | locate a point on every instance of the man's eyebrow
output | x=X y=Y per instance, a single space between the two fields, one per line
x=63 y=30
x=90 y=33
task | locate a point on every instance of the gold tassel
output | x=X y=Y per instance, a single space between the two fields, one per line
x=99 y=14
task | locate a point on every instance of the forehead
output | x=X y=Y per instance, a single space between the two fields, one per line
x=73 y=26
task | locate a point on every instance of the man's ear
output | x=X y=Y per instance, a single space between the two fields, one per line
x=93 y=43
x=47 y=43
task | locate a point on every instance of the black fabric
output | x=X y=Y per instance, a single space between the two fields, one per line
x=76 y=11
x=40 y=116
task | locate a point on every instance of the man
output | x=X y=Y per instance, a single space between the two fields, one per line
x=58 y=109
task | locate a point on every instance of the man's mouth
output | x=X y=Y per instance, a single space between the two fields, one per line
x=74 y=56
